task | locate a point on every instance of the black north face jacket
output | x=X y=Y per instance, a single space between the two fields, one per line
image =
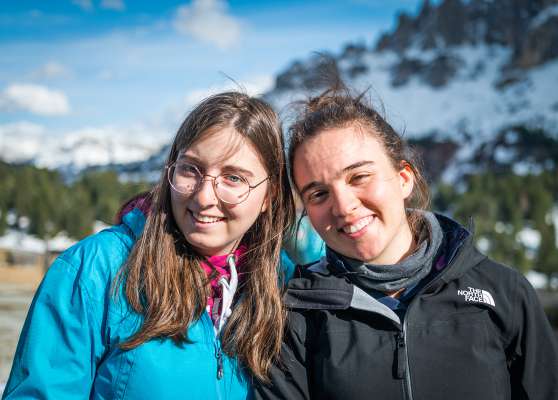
x=476 y=331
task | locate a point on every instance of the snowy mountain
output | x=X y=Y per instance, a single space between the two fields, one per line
x=71 y=153
x=472 y=83
x=462 y=79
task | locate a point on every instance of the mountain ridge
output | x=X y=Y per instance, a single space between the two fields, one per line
x=455 y=77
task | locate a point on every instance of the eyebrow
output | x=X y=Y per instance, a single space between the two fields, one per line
x=226 y=167
x=358 y=164
x=348 y=168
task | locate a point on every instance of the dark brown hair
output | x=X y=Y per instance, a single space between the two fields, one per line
x=338 y=108
x=164 y=280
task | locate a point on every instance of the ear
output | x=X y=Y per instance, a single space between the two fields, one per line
x=406 y=179
x=265 y=203
x=271 y=193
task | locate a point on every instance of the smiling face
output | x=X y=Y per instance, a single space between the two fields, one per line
x=353 y=195
x=209 y=225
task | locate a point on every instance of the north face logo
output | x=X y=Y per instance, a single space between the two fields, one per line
x=477 y=296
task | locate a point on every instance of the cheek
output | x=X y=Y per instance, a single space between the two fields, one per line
x=249 y=210
x=178 y=202
x=318 y=218
x=379 y=195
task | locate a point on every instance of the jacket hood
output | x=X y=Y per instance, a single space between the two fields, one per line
x=317 y=287
x=133 y=222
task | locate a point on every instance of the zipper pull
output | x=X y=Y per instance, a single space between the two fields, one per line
x=219 y=356
x=400 y=356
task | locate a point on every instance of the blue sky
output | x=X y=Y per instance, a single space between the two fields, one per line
x=138 y=66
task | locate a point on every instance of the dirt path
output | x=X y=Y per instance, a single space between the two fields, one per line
x=17 y=286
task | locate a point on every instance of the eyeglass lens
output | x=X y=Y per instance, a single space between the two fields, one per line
x=229 y=187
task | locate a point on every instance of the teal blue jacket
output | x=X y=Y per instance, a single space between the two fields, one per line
x=68 y=347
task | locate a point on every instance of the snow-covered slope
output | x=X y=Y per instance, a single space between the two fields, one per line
x=26 y=143
x=476 y=100
x=456 y=72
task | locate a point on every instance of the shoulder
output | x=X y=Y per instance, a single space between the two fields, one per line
x=100 y=256
x=504 y=289
x=495 y=274
x=104 y=250
x=91 y=265
x=313 y=276
x=315 y=287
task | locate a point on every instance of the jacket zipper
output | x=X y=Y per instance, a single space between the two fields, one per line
x=402 y=345
x=402 y=362
x=219 y=356
x=216 y=344
x=407 y=366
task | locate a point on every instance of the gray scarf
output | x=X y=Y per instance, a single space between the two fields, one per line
x=405 y=273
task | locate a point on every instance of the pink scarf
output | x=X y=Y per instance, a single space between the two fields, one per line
x=219 y=264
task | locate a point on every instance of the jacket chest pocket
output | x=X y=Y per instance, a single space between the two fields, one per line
x=352 y=358
x=459 y=353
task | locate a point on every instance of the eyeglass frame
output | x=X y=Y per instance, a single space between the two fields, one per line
x=213 y=183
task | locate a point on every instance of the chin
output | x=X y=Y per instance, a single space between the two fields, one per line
x=367 y=256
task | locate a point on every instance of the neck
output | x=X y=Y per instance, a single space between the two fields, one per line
x=222 y=258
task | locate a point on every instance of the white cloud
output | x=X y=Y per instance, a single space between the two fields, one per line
x=50 y=70
x=117 y=5
x=20 y=141
x=34 y=98
x=85 y=5
x=208 y=20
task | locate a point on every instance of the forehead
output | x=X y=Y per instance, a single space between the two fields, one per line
x=334 y=149
x=224 y=146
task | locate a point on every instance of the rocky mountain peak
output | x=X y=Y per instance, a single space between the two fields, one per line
x=528 y=27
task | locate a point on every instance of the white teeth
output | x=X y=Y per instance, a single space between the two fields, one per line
x=361 y=223
x=206 y=218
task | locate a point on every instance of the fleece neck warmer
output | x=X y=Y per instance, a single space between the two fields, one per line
x=406 y=273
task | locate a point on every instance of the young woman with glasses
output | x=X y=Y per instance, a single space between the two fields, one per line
x=184 y=303
x=403 y=306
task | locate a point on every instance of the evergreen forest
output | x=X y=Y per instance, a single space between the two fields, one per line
x=515 y=217
x=43 y=203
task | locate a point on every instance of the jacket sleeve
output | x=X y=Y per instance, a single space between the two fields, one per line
x=534 y=349
x=305 y=246
x=60 y=343
x=289 y=376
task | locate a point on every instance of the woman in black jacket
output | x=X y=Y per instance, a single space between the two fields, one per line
x=403 y=306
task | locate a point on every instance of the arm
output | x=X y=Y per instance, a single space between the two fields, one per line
x=60 y=343
x=305 y=246
x=534 y=350
x=289 y=377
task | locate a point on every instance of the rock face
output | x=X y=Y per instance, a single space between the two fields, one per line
x=528 y=27
x=310 y=76
x=458 y=77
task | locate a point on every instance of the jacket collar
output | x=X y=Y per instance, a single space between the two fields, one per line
x=318 y=288
x=134 y=221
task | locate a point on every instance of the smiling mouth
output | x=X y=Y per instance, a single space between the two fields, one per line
x=206 y=219
x=358 y=226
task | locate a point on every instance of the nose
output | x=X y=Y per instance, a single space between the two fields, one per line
x=205 y=192
x=344 y=201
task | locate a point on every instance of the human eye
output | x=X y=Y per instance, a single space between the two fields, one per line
x=187 y=170
x=233 y=179
x=316 y=197
x=360 y=178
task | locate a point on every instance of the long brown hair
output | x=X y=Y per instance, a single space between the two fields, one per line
x=337 y=107
x=163 y=278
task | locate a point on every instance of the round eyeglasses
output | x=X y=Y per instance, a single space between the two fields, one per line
x=229 y=187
